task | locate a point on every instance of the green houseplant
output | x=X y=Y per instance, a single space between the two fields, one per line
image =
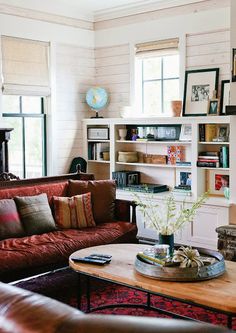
x=168 y=218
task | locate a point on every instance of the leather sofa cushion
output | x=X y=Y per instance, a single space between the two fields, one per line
x=56 y=246
x=35 y=214
x=103 y=197
x=74 y=212
x=10 y=224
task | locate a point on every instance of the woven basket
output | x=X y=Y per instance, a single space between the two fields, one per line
x=128 y=156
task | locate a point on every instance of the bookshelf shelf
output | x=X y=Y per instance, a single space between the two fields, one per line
x=217 y=169
x=213 y=143
x=153 y=165
x=97 y=161
x=172 y=143
x=98 y=140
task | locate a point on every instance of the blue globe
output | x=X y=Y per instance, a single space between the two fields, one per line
x=97 y=98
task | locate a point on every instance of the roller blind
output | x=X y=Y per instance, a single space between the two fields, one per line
x=25 y=66
x=167 y=46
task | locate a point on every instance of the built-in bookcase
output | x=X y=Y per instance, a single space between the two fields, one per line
x=150 y=164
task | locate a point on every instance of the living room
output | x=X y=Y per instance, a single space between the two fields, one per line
x=55 y=52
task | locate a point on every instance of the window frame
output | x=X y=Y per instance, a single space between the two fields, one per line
x=23 y=116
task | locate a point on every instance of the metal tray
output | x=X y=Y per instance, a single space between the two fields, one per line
x=184 y=274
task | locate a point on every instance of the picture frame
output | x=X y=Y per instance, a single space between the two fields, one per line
x=223 y=133
x=233 y=65
x=183 y=177
x=213 y=107
x=186 y=132
x=216 y=180
x=225 y=96
x=198 y=90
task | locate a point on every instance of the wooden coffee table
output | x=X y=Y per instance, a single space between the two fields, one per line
x=218 y=294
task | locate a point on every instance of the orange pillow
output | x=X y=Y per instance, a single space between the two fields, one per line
x=74 y=212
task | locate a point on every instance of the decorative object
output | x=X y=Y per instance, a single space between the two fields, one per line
x=187 y=257
x=225 y=96
x=223 y=133
x=175 y=154
x=176 y=107
x=186 y=132
x=230 y=110
x=166 y=219
x=168 y=240
x=154 y=159
x=97 y=99
x=128 y=156
x=183 y=178
x=167 y=132
x=122 y=133
x=233 y=65
x=217 y=180
x=213 y=267
x=98 y=133
x=198 y=89
x=213 y=107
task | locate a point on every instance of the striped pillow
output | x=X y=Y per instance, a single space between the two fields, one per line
x=74 y=212
x=10 y=224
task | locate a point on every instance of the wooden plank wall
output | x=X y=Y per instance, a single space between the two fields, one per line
x=209 y=50
x=113 y=73
x=75 y=73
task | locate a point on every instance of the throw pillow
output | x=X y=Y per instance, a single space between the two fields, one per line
x=35 y=214
x=10 y=224
x=103 y=197
x=74 y=212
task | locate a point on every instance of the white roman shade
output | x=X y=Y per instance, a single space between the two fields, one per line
x=161 y=47
x=25 y=67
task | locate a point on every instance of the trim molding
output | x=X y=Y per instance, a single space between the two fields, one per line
x=46 y=17
x=178 y=9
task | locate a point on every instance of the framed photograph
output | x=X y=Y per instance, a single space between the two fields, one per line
x=216 y=182
x=213 y=107
x=223 y=133
x=233 y=65
x=186 y=132
x=225 y=95
x=183 y=178
x=198 y=90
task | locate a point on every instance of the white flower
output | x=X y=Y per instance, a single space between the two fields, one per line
x=168 y=218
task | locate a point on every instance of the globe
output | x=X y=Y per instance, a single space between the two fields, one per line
x=97 y=98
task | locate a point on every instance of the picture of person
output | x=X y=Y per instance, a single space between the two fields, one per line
x=223 y=133
x=221 y=181
x=200 y=93
x=185 y=178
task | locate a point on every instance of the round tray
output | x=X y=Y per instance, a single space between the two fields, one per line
x=184 y=274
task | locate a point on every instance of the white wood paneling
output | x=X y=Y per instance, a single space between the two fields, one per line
x=113 y=73
x=209 y=50
x=75 y=73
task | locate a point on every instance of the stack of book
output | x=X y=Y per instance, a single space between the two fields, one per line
x=182 y=189
x=209 y=159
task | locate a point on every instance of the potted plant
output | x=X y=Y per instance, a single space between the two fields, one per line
x=167 y=218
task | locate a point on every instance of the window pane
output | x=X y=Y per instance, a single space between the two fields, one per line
x=31 y=104
x=171 y=66
x=171 y=92
x=152 y=98
x=152 y=68
x=10 y=104
x=34 y=147
x=15 y=146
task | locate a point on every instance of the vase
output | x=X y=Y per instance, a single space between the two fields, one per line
x=169 y=240
x=176 y=107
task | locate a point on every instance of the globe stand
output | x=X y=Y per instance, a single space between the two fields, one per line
x=97 y=116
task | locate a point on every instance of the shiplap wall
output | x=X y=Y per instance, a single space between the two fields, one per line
x=209 y=50
x=113 y=73
x=75 y=70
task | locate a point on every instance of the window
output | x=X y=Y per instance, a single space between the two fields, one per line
x=27 y=146
x=157 y=77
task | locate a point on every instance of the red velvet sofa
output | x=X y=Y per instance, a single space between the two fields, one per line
x=29 y=255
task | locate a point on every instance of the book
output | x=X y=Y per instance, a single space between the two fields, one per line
x=210 y=132
x=202 y=132
x=147 y=188
x=207 y=160
x=209 y=153
x=183 y=163
x=208 y=164
x=181 y=191
x=208 y=157
x=225 y=157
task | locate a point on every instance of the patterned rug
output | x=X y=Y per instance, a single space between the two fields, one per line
x=62 y=285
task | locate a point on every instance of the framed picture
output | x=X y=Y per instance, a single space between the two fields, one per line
x=233 y=65
x=213 y=107
x=183 y=178
x=225 y=95
x=223 y=133
x=198 y=90
x=186 y=132
x=217 y=180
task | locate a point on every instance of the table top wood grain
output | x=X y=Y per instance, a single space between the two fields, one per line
x=218 y=293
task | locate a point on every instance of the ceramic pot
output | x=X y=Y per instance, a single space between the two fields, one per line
x=169 y=240
x=122 y=133
x=176 y=107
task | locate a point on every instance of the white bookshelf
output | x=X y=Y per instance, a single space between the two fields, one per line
x=217 y=209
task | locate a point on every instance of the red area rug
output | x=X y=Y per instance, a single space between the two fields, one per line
x=62 y=285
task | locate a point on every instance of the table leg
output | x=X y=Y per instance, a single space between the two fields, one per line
x=79 y=292
x=148 y=300
x=88 y=293
x=229 y=321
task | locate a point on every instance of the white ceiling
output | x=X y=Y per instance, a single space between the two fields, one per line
x=89 y=9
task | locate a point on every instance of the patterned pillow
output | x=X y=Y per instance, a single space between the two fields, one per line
x=35 y=214
x=74 y=212
x=10 y=224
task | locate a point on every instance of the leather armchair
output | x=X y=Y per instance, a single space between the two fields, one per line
x=22 y=311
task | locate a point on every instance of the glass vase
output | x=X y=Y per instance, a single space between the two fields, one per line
x=169 y=240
